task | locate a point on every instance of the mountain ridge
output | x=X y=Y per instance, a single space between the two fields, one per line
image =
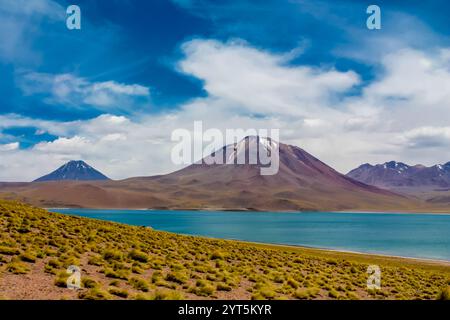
x=394 y=174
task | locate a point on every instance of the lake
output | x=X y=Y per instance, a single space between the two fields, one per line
x=408 y=235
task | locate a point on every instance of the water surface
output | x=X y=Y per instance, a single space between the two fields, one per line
x=408 y=235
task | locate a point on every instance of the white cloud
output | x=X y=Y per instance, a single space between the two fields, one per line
x=9 y=146
x=259 y=81
x=74 y=91
x=65 y=146
x=414 y=75
x=427 y=137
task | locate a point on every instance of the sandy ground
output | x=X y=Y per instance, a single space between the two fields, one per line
x=39 y=285
x=36 y=285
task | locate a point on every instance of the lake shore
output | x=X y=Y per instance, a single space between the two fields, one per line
x=256 y=211
x=345 y=254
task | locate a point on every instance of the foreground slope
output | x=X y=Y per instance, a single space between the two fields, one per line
x=119 y=261
x=302 y=183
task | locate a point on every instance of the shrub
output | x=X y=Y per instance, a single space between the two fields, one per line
x=54 y=263
x=203 y=288
x=157 y=264
x=298 y=260
x=278 y=278
x=95 y=261
x=114 y=283
x=333 y=294
x=119 y=274
x=112 y=255
x=223 y=287
x=332 y=262
x=267 y=292
x=28 y=257
x=50 y=252
x=302 y=293
x=122 y=293
x=444 y=294
x=291 y=282
x=352 y=296
x=167 y=295
x=138 y=256
x=176 y=266
x=89 y=283
x=156 y=276
x=313 y=292
x=17 y=267
x=69 y=261
x=142 y=296
x=49 y=269
x=176 y=277
x=217 y=255
x=139 y=284
x=257 y=296
x=306 y=293
x=9 y=251
x=94 y=294
x=61 y=279
x=137 y=270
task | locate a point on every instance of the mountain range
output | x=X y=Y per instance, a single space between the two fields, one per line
x=394 y=175
x=302 y=183
x=430 y=184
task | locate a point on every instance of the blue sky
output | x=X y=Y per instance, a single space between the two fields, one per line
x=141 y=61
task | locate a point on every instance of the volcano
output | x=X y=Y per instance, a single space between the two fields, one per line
x=74 y=170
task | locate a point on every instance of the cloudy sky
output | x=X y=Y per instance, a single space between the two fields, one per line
x=113 y=92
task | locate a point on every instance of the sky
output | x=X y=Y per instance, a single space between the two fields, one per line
x=113 y=92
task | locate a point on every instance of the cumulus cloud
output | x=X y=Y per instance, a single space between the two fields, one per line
x=9 y=146
x=262 y=82
x=410 y=91
x=414 y=75
x=66 y=146
x=70 y=90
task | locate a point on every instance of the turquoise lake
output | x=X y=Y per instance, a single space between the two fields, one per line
x=408 y=235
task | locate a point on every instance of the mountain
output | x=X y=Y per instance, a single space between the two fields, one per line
x=397 y=175
x=302 y=183
x=74 y=170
